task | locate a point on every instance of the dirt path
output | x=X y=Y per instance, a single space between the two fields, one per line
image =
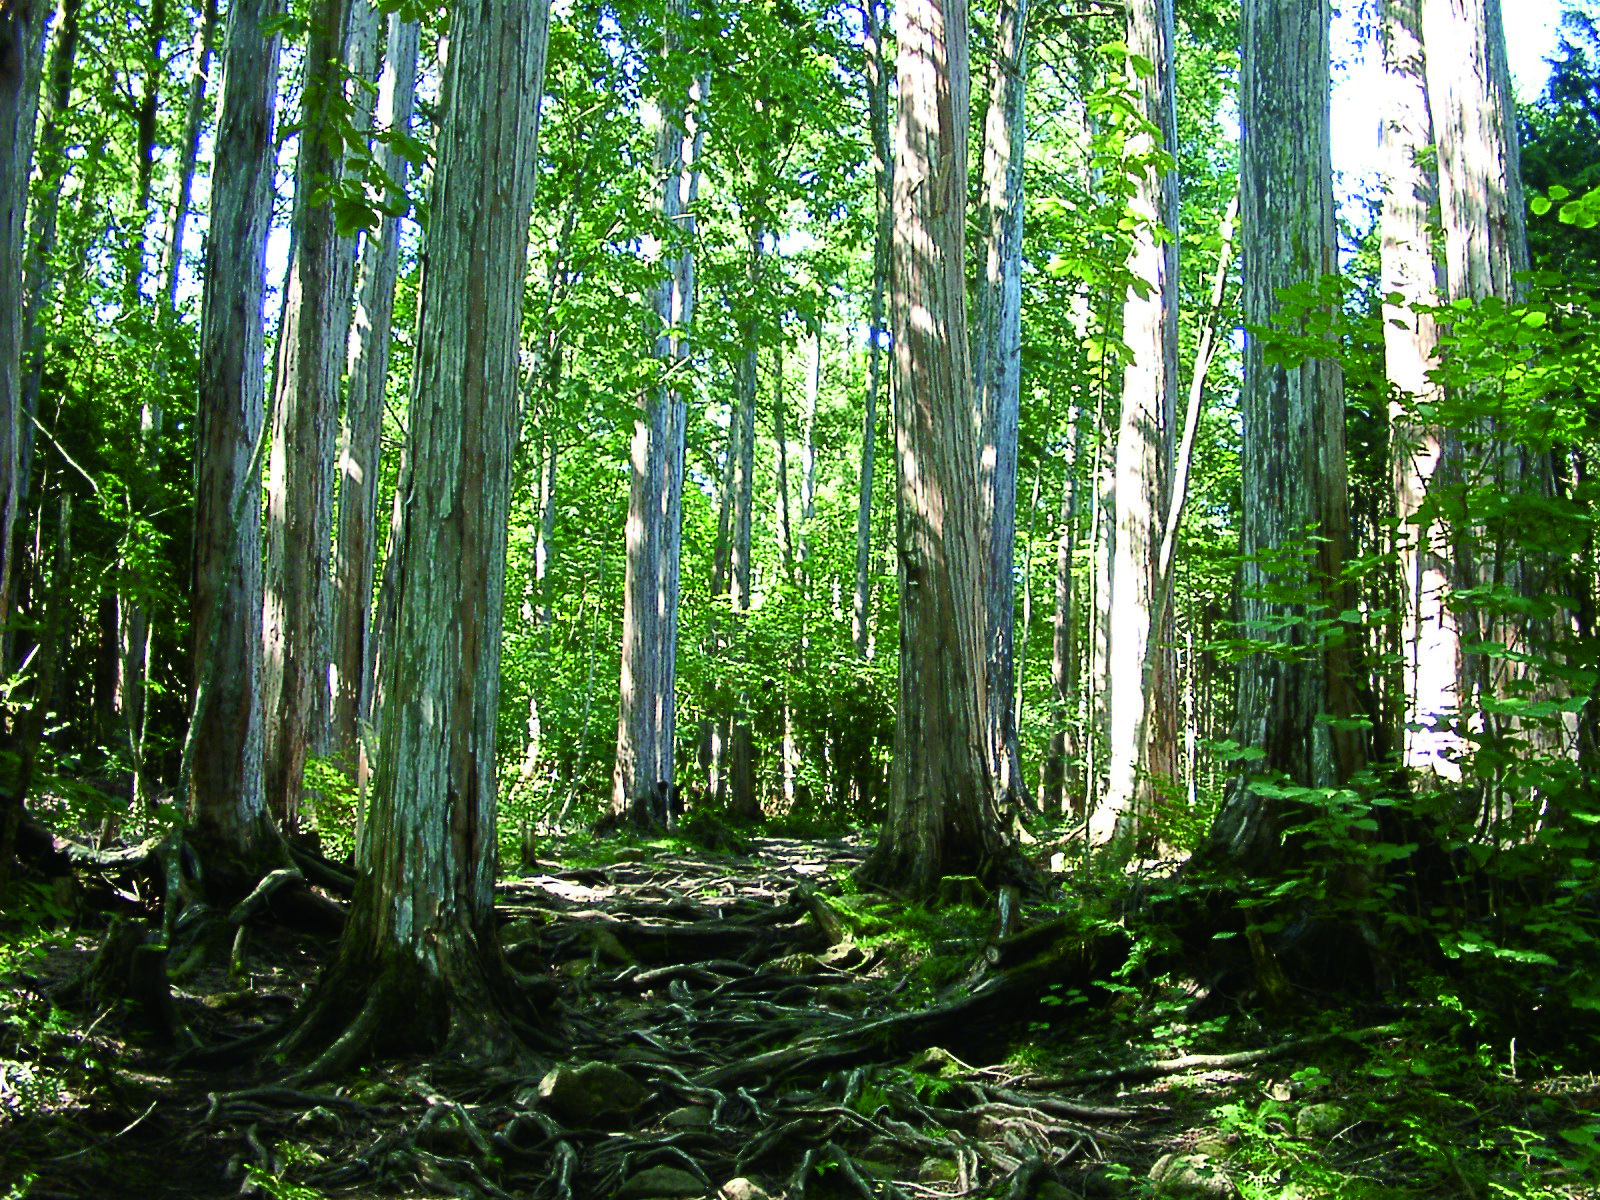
x=720 y=1037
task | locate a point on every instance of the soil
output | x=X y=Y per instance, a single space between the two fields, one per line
x=762 y=1051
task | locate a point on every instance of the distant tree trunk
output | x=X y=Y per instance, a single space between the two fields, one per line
x=944 y=814
x=737 y=771
x=642 y=778
x=1062 y=776
x=1429 y=637
x=146 y=117
x=21 y=29
x=1294 y=458
x=1141 y=659
x=360 y=436
x=997 y=367
x=39 y=284
x=419 y=962
x=883 y=176
x=1485 y=247
x=227 y=807
x=311 y=347
x=194 y=122
x=780 y=437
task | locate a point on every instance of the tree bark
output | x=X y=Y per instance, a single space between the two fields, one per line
x=305 y=409
x=204 y=41
x=997 y=374
x=360 y=439
x=883 y=182
x=642 y=777
x=1429 y=637
x=1485 y=248
x=944 y=810
x=420 y=961
x=21 y=34
x=1293 y=467
x=1140 y=660
x=227 y=807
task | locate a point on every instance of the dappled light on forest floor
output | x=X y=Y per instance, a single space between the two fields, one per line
x=748 y=1026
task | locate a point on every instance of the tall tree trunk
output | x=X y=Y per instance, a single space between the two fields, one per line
x=311 y=349
x=883 y=231
x=1062 y=777
x=1430 y=640
x=944 y=813
x=739 y=769
x=21 y=34
x=420 y=961
x=1140 y=658
x=997 y=367
x=227 y=807
x=642 y=778
x=1292 y=701
x=39 y=284
x=360 y=435
x=194 y=122
x=1485 y=247
x=146 y=118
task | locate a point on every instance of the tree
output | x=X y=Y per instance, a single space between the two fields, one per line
x=1485 y=250
x=1142 y=723
x=419 y=961
x=647 y=719
x=944 y=813
x=311 y=352
x=360 y=444
x=1428 y=634
x=1296 y=699
x=997 y=374
x=877 y=82
x=227 y=807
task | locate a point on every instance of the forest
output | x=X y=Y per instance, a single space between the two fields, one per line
x=778 y=599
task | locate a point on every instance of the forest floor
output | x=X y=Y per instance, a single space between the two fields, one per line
x=729 y=1033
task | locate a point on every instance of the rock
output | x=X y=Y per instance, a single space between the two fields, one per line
x=791 y=964
x=935 y=1060
x=1191 y=1176
x=1319 y=1122
x=690 y=1116
x=742 y=1189
x=661 y=1183
x=578 y=1095
x=1049 y=1189
x=843 y=999
x=938 y=1170
x=844 y=956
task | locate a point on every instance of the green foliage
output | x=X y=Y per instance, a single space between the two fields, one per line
x=331 y=806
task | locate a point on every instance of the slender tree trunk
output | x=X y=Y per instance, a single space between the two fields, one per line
x=227 y=807
x=1429 y=637
x=39 y=284
x=997 y=366
x=146 y=133
x=1063 y=774
x=883 y=176
x=1291 y=701
x=360 y=434
x=739 y=770
x=21 y=32
x=1140 y=659
x=420 y=960
x=944 y=812
x=643 y=777
x=194 y=123
x=311 y=346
